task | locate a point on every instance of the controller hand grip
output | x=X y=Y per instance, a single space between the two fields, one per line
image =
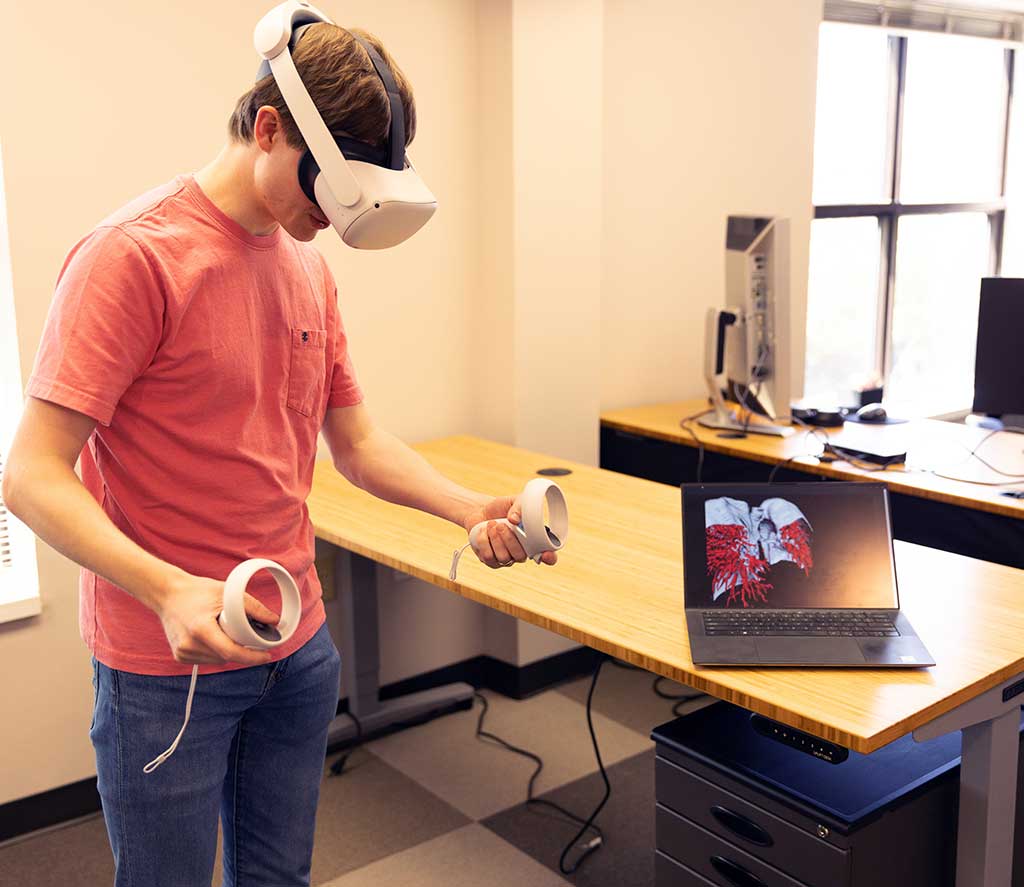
x=481 y=528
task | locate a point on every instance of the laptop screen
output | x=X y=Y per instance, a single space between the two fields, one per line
x=787 y=546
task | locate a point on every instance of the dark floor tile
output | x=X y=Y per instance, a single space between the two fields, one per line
x=627 y=857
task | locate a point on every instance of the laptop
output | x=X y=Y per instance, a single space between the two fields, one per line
x=793 y=574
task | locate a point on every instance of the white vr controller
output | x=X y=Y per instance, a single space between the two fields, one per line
x=243 y=629
x=535 y=534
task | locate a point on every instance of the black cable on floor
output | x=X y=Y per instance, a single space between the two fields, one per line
x=665 y=694
x=587 y=824
x=680 y=698
x=339 y=765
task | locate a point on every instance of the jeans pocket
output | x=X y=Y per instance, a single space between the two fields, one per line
x=307 y=372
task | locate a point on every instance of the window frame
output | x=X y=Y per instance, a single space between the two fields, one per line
x=889 y=214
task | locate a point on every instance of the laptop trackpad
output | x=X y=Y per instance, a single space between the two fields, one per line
x=895 y=651
x=809 y=651
x=723 y=650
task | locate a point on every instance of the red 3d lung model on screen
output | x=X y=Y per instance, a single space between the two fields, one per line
x=745 y=542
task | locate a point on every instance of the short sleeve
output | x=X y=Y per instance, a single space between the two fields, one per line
x=344 y=389
x=104 y=326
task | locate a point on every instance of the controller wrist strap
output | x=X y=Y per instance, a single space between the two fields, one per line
x=163 y=756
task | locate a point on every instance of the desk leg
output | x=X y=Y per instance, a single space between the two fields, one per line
x=355 y=580
x=988 y=784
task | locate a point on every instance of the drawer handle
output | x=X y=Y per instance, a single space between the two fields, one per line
x=735 y=873
x=740 y=825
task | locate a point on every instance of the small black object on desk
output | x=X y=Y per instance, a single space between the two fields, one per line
x=821 y=417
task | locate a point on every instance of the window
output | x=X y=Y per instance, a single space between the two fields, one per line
x=911 y=193
x=19 y=580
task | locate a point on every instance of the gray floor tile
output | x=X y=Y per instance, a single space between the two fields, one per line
x=626 y=696
x=481 y=778
x=626 y=858
x=76 y=856
x=368 y=813
x=372 y=811
x=469 y=857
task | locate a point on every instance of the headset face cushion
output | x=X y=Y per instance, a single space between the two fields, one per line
x=309 y=169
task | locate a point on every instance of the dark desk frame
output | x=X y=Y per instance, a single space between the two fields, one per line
x=966 y=531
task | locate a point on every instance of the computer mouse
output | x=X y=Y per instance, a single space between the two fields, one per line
x=872 y=412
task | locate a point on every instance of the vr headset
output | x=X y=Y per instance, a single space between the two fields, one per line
x=371 y=195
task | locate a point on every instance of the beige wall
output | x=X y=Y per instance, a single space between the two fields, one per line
x=565 y=239
x=557 y=105
x=709 y=111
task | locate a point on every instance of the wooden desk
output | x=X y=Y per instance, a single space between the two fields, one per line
x=618 y=588
x=963 y=517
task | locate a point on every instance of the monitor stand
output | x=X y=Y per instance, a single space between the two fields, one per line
x=726 y=419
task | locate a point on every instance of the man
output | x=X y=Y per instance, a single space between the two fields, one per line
x=194 y=349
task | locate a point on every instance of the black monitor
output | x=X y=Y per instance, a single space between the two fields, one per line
x=998 y=364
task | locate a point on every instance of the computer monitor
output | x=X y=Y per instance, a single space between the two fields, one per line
x=747 y=343
x=998 y=367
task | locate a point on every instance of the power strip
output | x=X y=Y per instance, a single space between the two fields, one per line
x=811 y=745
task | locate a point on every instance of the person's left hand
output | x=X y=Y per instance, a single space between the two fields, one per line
x=499 y=546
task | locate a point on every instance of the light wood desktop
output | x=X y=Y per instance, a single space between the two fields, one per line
x=618 y=588
x=931 y=446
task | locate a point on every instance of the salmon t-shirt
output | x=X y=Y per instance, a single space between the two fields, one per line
x=209 y=357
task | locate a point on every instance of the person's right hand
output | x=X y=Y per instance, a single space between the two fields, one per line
x=189 y=616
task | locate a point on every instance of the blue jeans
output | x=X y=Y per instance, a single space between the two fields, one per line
x=253 y=754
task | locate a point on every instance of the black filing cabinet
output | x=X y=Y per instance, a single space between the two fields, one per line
x=736 y=808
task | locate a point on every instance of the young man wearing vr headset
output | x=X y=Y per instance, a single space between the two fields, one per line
x=193 y=352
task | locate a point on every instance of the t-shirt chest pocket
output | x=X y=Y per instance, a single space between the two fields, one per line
x=307 y=371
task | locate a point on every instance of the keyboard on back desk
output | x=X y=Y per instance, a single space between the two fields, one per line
x=800 y=623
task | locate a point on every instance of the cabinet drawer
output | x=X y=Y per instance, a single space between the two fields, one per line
x=804 y=856
x=716 y=859
x=669 y=873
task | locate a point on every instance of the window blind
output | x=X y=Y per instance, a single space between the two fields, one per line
x=6 y=557
x=19 y=576
x=19 y=579
x=993 y=19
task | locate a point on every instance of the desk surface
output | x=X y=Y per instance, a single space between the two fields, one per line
x=930 y=444
x=618 y=588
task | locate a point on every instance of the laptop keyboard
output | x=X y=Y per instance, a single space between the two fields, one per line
x=800 y=623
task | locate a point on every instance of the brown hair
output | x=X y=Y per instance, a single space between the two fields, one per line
x=343 y=84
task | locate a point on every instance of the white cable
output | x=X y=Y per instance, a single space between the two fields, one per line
x=159 y=759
